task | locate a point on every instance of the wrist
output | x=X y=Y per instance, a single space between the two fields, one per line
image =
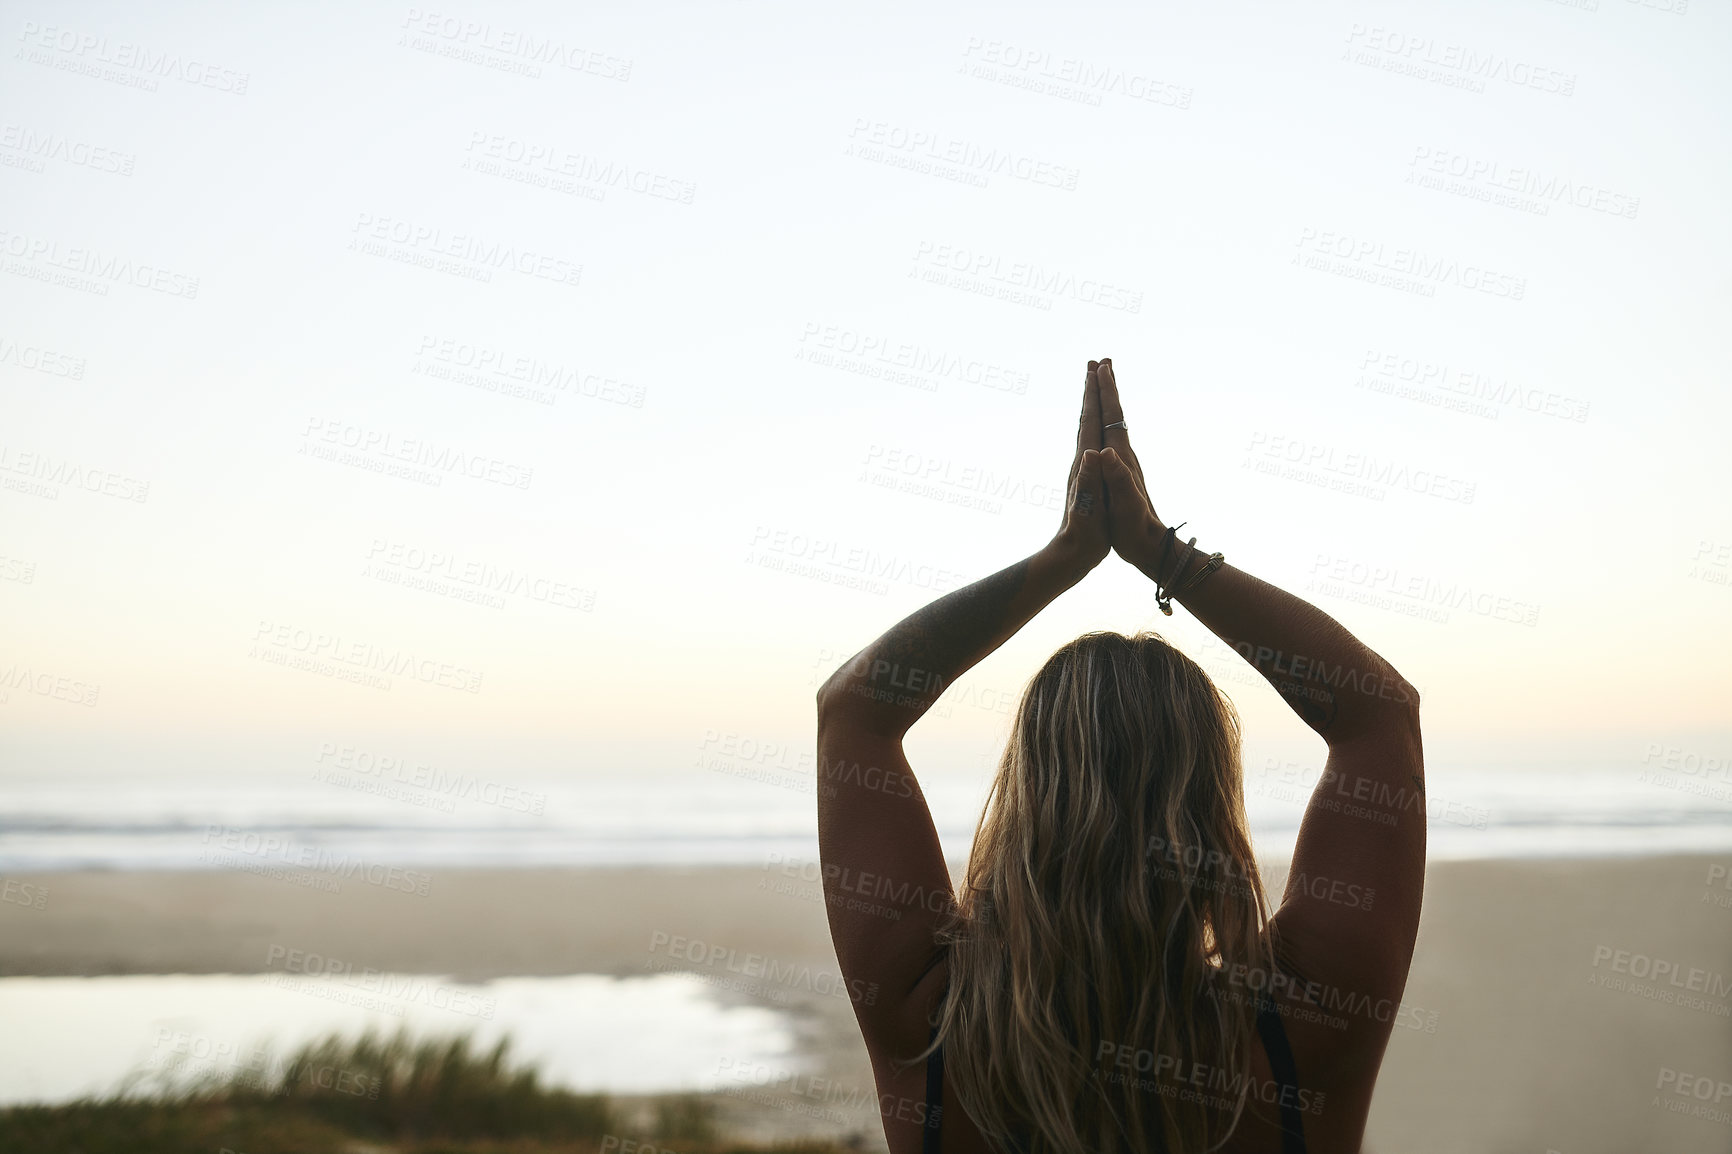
x=1144 y=550
x=1066 y=560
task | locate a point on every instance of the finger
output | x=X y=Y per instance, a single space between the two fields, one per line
x=1111 y=387
x=1088 y=426
x=1112 y=411
x=1089 y=432
x=1119 y=482
x=1124 y=488
x=1109 y=394
x=1086 y=499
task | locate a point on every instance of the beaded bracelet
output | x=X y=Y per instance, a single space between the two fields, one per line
x=1214 y=562
x=1164 y=597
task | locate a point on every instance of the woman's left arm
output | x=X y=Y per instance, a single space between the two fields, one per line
x=885 y=882
x=886 y=687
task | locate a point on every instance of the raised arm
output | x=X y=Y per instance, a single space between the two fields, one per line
x=886 y=885
x=1348 y=919
x=1332 y=680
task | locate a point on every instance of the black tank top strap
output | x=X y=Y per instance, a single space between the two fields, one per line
x=1286 y=1074
x=1269 y=1027
x=934 y=1096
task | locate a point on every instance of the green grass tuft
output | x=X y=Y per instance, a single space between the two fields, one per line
x=367 y=1095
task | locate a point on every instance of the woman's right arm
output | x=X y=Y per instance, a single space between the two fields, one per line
x=1350 y=914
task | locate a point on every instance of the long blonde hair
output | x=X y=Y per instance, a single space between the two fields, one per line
x=1110 y=883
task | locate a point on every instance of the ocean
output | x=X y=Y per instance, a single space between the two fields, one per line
x=73 y=1036
x=738 y=812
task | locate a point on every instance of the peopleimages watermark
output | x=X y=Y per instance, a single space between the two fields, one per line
x=88 y=270
x=468 y=579
x=420 y=782
x=754 y=973
x=334 y=979
x=333 y=655
x=1451 y=65
x=1477 y=394
x=32 y=149
x=30 y=895
x=121 y=61
x=1511 y=186
x=846 y=889
x=892 y=678
x=1183 y=862
x=772 y=761
x=1712 y=562
x=1373 y=799
x=907 y=363
x=1065 y=77
x=1197 y=862
x=840 y=1103
x=198 y=1057
x=891 y=681
x=37 y=359
x=1319 y=1002
x=523 y=376
x=1671 y=7
x=504 y=49
x=837 y=562
x=1015 y=282
x=1412 y=594
x=559 y=169
x=233 y=847
x=1189 y=1080
x=826 y=660
x=42 y=683
x=1687 y=770
x=950 y=482
x=1355 y=474
x=614 y=1144
x=938 y=154
x=1312 y=678
x=35 y=474
x=1222 y=662
x=1662 y=980
x=1718 y=873
x=1404 y=269
x=464 y=255
x=412 y=458
x=1693 y=1095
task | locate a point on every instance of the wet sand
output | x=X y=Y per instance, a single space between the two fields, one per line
x=1533 y=1021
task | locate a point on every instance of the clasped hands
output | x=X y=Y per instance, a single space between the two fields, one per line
x=1107 y=506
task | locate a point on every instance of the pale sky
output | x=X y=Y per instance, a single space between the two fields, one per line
x=811 y=293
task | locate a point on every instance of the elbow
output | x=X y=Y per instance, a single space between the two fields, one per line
x=841 y=706
x=1407 y=705
x=829 y=693
x=832 y=699
x=1389 y=708
x=1394 y=712
x=1397 y=694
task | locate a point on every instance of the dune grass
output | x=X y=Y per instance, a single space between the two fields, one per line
x=371 y=1095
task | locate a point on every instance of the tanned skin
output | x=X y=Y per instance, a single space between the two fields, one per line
x=1341 y=967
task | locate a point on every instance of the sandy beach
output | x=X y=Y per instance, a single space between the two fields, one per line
x=1548 y=1000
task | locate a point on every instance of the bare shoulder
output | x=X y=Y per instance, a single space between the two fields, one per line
x=901 y=1083
x=1348 y=919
